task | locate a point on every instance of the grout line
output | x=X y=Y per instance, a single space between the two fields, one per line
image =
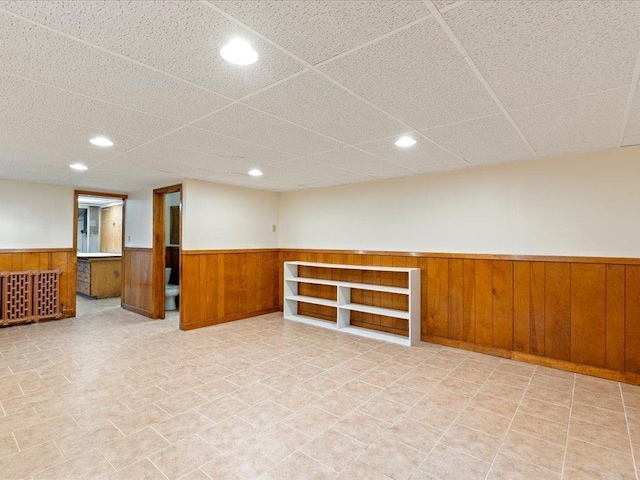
x=624 y=406
x=463 y=51
x=566 y=441
x=511 y=422
x=632 y=92
x=324 y=75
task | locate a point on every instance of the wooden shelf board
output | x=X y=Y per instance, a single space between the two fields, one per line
x=387 y=312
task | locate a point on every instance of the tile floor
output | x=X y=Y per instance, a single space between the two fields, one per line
x=114 y=395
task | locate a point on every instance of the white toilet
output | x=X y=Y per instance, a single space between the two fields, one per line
x=170 y=291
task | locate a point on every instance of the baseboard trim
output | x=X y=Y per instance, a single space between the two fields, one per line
x=228 y=318
x=473 y=347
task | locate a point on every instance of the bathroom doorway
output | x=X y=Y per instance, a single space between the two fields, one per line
x=167 y=250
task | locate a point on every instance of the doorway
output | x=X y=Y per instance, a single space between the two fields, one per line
x=98 y=240
x=167 y=250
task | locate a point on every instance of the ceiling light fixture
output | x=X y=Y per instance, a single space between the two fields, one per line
x=101 y=142
x=405 y=141
x=79 y=166
x=254 y=172
x=239 y=52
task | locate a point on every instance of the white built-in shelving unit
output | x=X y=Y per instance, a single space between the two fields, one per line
x=343 y=303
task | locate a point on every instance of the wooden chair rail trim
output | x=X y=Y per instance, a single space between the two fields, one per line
x=36 y=250
x=138 y=249
x=474 y=256
x=242 y=250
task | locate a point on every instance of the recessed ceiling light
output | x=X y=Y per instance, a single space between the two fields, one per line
x=101 y=142
x=79 y=166
x=255 y=172
x=405 y=141
x=239 y=52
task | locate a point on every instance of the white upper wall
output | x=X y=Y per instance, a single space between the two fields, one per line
x=217 y=216
x=35 y=216
x=138 y=223
x=580 y=205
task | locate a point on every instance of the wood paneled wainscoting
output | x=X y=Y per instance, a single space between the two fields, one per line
x=223 y=285
x=137 y=274
x=47 y=259
x=575 y=313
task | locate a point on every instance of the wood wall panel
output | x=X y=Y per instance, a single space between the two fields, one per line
x=136 y=273
x=522 y=307
x=588 y=314
x=221 y=286
x=48 y=259
x=615 y=308
x=569 y=312
x=557 y=311
x=632 y=319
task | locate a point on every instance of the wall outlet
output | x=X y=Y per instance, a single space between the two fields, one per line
x=64 y=309
x=129 y=238
x=273 y=228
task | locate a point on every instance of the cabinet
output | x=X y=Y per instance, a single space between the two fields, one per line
x=99 y=277
x=344 y=306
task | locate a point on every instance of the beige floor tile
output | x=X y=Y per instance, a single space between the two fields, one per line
x=360 y=390
x=139 y=419
x=229 y=433
x=196 y=475
x=599 y=459
x=311 y=421
x=142 y=398
x=17 y=421
x=361 y=471
x=392 y=458
x=337 y=403
x=597 y=386
x=361 y=427
x=182 y=426
x=415 y=381
x=8 y=445
x=384 y=410
x=182 y=457
x=181 y=402
x=460 y=387
x=550 y=395
x=265 y=414
x=28 y=400
x=484 y=421
x=31 y=462
x=142 y=470
x=540 y=428
x=180 y=384
x=401 y=394
x=333 y=449
x=255 y=393
x=295 y=398
x=432 y=415
x=605 y=437
x=87 y=466
x=598 y=416
x=534 y=450
x=378 y=379
x=515 y=368
x=299 y=466
x=561 y=384
x=128 y=450
x=81 y=441
x=448 y=464
x=579 y=472
x=413 y=434
x=496 y=405
x=279 y=441
x=45 y=431
x=511 y=468
x=472 y=442
x=549 y=411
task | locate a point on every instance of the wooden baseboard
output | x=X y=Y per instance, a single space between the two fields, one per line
x=228 y=318
x=626 y=377
x=137 y=310
x=473 y=347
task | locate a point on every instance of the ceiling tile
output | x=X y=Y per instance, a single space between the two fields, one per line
x=307 y=171
x=537 y=52
x=316 y=103
x=18 y=123
x=204 y=141
x=482 y=141
x=422 y=155
x=103 y=177
x=22 y=169
x=584 y=124
x=33 y=150
x=302 y=27
x=38 y=54
x=357 y=161
x=35 y=98
x=416 y=75
x=245 y=123
x=180 y=38
x=192 y=164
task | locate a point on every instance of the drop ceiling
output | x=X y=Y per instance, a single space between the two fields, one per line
x=476 y=83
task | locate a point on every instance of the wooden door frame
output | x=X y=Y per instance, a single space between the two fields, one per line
x=158 y=256
x=121 y=196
